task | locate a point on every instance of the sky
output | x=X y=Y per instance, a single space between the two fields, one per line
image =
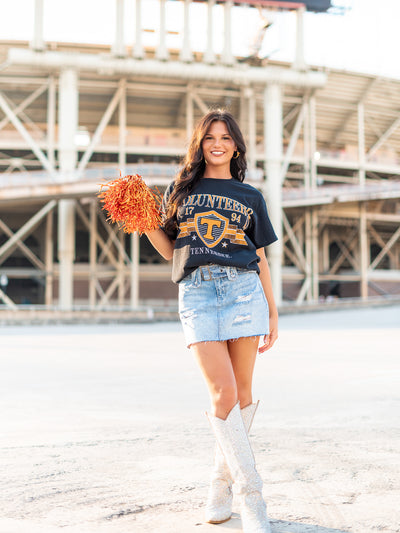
x=363 y=39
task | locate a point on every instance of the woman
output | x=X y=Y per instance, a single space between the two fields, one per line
x=215 y=229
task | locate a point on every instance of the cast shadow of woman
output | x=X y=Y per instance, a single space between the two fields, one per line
x=281 y=526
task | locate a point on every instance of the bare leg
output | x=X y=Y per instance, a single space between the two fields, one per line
x=243 y=353
x=215 y=363
x=226 y=366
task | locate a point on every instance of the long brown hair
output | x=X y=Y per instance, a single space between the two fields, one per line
x=194 y=163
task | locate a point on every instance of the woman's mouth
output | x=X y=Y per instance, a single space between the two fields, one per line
x=217 y=153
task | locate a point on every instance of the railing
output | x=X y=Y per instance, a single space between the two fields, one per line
x=146 y=170
x=153 y=171
x=162 y=173
x=338 y=191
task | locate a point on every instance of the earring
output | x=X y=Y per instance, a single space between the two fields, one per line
x=237 y=154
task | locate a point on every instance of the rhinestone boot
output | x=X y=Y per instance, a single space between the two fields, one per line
x=232 y=438
x=219 y=502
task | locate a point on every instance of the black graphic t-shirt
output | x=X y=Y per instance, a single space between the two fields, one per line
x=222 y=222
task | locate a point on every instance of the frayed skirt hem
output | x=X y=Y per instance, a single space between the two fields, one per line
x=254 y=338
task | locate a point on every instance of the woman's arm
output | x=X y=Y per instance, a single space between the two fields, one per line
x=161 y=242
x=265 y=278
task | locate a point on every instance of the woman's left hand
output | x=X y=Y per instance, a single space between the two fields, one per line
x=272 y=335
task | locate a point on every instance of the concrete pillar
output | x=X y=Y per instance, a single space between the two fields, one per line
x=308 y=255
x=361 y=144
x=162 y=50
x=48 y=298
x=138 y=51
x=135 y=254
x=315 y=256
x=122 y=129
x=299 y=61
x=118 y=48
x=313 y=142
x=324 y=250
x=363 y=252
x=122 y=168
x=273 y=152
x=37 y=42
x=93 y=254
x=68 y=125
x=306 y=146
x=227 y=56
x=189 y=113
x=186 y=53
x=252 y=132
x=51 y=121
x=209 y=55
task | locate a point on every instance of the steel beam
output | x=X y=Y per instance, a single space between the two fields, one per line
x=25 y=250
x=292 y=143
x=101 y=126
x=9 y=303
x=393 y=239
x=384 y=137
x=25 y=103
x=25 y=134
x=349 y=115
x=24 y=230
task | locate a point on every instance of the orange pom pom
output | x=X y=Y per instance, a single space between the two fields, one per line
x=132 y=204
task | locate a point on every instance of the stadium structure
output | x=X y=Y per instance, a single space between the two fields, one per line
x=323 y=147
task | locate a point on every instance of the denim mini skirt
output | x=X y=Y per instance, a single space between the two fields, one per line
x=220 y=303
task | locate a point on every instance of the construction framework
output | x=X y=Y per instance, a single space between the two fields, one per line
x=322 y=146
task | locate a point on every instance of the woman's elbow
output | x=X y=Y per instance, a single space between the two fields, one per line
x=168 y=255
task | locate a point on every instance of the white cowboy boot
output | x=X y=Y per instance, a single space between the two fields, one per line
x=219 y=502
x=232 y=438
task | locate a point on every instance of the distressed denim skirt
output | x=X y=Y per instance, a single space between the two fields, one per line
x=219 y=303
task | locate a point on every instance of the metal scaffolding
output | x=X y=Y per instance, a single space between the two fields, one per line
x=323 y=148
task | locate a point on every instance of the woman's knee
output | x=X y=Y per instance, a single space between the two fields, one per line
x=244 y=395
x=224 y=397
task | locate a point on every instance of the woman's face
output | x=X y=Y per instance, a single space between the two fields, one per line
x=218 y=146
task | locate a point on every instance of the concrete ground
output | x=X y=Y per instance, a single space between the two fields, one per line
x=103 y=428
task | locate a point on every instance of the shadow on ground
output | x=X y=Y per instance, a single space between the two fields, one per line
x=277 y=526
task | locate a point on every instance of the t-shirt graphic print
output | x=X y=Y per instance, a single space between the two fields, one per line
x=221 y=222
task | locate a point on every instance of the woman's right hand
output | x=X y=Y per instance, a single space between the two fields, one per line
x=272 y=335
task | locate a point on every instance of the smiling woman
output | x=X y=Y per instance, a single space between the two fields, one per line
x=215 y=228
